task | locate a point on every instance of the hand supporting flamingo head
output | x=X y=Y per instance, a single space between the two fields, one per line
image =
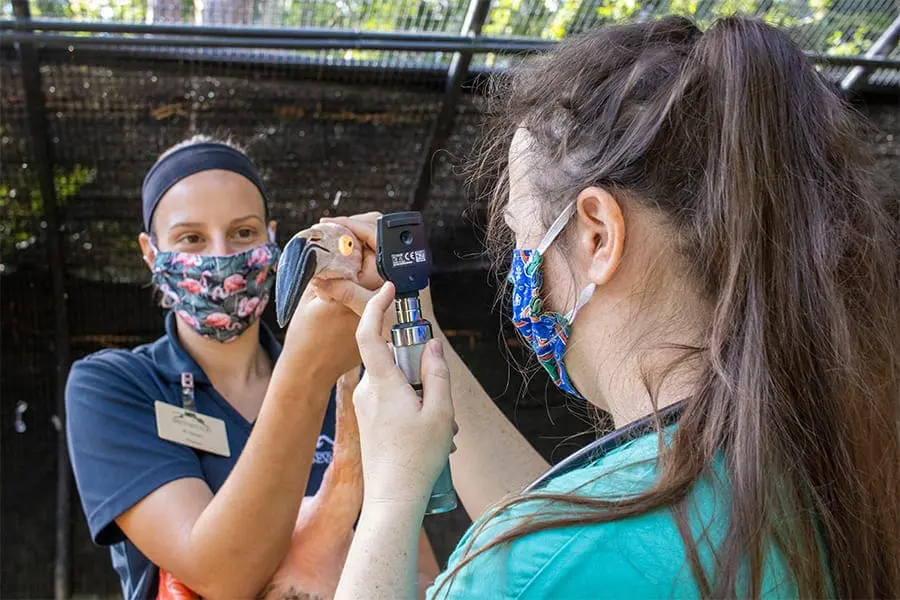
x=324 y=251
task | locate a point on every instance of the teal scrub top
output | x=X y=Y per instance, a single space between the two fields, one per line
x=635 y=558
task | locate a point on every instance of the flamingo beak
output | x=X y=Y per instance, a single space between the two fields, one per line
x=296 y=268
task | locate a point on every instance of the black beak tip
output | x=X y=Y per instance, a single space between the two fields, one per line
x=281 y=316
x=296 y=268
x=285 y=304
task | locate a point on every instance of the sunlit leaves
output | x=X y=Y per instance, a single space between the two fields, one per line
x=561 y=20
x=617 y=10
x=841 y=44
x=684 y=8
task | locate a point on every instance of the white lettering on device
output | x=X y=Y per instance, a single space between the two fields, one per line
x=402 y=259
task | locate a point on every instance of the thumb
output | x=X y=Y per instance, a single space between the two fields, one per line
x=351 y=295
x=436 y=395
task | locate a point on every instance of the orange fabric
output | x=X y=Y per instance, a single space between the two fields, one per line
x=172 y=589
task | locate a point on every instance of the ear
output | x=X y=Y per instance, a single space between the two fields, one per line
x=147 y=249
x=273 y=227
x=601 y=232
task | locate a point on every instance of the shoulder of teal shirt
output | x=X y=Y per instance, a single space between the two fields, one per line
x=637 y=557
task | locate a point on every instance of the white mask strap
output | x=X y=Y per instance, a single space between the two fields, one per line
x=271 y=235
x=558 y=225
x=583 y=299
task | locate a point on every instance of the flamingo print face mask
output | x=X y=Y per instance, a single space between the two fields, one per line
x=219 y=297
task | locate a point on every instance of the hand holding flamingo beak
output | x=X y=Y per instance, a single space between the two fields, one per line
x=324 y=251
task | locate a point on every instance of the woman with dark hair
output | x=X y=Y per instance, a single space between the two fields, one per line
x=193 y=454
x=699 y=252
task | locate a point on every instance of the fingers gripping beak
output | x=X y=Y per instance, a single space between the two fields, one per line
x=296 y=268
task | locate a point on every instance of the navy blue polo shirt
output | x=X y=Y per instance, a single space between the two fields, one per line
x=117 y=456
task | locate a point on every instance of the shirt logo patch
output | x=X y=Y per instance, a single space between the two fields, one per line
x=324 y=450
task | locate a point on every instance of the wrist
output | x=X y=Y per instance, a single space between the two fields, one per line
x=300 y=381
x=302 y=361
x=393 y=510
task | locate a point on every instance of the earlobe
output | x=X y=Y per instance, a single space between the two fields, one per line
x=604 y=230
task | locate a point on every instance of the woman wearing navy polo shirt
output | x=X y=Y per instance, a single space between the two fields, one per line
x=216 y=511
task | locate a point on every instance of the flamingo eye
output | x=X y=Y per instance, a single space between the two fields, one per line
x=345 y=245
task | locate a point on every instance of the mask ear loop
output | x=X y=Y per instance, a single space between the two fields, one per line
x=583 y=299
x=558 y=225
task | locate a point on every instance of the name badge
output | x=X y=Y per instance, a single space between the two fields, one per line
x=190 y=428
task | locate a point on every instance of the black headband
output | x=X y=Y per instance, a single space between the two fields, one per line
x=191 y=159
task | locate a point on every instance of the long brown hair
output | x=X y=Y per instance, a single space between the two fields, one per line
x=760 y=170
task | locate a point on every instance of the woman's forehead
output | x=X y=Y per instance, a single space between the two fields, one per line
x=209 y=198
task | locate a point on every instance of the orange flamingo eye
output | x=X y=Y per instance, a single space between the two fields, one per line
x=345 y=245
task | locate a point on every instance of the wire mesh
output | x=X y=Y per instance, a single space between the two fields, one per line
x=319 y=143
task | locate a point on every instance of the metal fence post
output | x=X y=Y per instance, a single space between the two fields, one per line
x=43 y=158
x=459 y=68
x=882 y=47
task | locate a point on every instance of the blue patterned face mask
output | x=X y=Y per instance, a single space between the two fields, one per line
x=219 y=297
x=547 y=332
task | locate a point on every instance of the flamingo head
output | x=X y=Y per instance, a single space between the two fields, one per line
x=326 y=251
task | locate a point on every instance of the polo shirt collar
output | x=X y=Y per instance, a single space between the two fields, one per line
x=172 y=359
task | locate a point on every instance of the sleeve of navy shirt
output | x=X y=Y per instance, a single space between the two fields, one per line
x=117 y=456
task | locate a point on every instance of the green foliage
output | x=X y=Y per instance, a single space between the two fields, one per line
x=817 y=24
x=68 y=184
x=545 y=19
x=842 y=45
x=685 y=8
x=501 y=18
x=91 y=10
x=617 y=10
x=370 y=15
x=734 y=7
x=22 y=209
x=559 y=24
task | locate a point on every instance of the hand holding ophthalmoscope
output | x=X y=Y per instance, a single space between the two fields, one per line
x=405 y=440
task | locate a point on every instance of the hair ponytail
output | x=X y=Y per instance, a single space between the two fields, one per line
x=806 y=318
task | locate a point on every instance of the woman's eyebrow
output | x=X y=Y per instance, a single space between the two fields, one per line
x=186 y=224
x=245 y=218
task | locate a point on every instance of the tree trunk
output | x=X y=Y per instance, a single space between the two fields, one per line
x=228 y=12
x=166 y=11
